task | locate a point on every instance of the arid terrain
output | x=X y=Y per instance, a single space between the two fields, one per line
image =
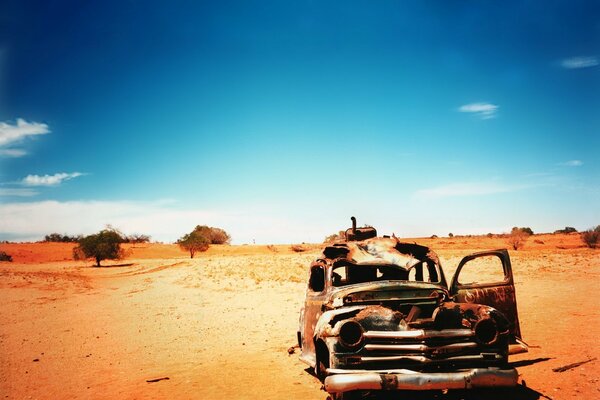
x=219 y=326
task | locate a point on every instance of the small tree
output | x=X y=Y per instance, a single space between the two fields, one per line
x=104 y=245
x=214 y=235
x=591 y=237
x=194 y=241
x=517 y=238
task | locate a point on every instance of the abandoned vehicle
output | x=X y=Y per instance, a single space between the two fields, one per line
x=379 y=315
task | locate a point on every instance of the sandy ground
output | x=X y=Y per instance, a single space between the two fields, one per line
x=218 y=326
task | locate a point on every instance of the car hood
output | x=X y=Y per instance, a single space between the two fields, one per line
x=386 y=291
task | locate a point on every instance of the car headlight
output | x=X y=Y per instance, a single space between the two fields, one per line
x=486 y=331
x=351 y=334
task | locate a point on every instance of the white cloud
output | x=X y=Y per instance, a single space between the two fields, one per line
x=49 y=180
x=571 y=163
x=14 y=133
x=17 y=192
x=483 y=110
x=465 y=189
x=12 y=152
x=579 y=62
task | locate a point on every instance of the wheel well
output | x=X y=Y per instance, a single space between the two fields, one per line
x=321 y=351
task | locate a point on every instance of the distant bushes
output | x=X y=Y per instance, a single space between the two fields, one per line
x=567 y=230
x=5 y=257
x=334 y=237
x=136 y=238
x=591 y=237
x=58 y=238
x=525 y=230
x=61 y=238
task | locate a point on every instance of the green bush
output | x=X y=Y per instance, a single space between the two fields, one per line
x=195 y=241
x=104 y=245
x=57 y=237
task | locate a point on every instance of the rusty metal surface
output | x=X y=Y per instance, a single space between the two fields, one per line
x=405 y=327
x=380 y=251
x=467 y=379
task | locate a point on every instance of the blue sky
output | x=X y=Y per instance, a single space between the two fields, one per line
x=279 y=121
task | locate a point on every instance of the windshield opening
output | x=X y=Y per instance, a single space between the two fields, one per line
x=350 y=274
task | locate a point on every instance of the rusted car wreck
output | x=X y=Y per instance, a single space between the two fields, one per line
x=379 y=315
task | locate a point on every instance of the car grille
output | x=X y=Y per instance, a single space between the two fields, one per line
x=421 y=349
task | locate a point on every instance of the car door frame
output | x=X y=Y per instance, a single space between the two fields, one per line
x=499 y=295
x=313 y=308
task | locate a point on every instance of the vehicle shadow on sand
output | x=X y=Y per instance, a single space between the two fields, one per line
x=519 y=392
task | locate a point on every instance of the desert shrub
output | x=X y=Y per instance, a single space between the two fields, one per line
x=297 y=248
x=591 y=237
x=526 y=230
x=272 y=248
x=195 y=241
x=219 y=236
x=568 y=229
x=214 y=235
x=451 y=235
x=334 y=237
x=104 y=245
x=490 y=235
x=433 y=236
x=137 y=238
x=5 y=257
x=517 y=238
x=58 y=238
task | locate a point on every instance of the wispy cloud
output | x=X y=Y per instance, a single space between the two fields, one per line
x=49 y=180
x=579 y=62
x=571 y=163
x=482 y=110
x=12 y=152
x=465 y=189
x=11 y=134
x=17 y=192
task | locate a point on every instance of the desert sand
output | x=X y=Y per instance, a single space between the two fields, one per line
x=219 y=326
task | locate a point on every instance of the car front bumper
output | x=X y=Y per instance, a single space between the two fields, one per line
x=342 y=380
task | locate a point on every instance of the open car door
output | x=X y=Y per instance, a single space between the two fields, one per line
x=486 y=278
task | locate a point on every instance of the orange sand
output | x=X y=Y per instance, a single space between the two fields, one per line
x=219 y=325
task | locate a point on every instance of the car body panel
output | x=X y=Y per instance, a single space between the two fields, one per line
x=377 y=305
x=500 y=295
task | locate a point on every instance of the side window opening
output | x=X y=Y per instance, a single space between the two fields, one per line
x=317 y=279
x=482 y=270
